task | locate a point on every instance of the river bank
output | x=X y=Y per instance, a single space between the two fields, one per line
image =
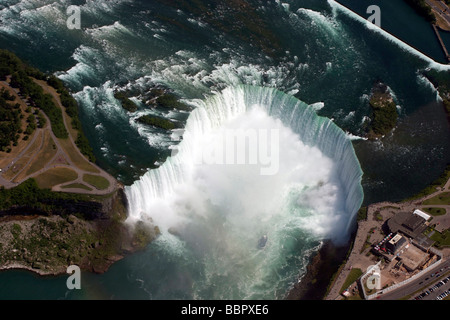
x=321 y=268
x=48 y=244
x=42 y=229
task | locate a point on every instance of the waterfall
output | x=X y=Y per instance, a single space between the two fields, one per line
x=147 y=196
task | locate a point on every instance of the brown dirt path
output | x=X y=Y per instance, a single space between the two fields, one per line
x=61 y=153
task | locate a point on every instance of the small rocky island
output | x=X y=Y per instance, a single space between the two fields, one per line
x=384 y=114
x=154 y=98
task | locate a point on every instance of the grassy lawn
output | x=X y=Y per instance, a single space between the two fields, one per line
x=77 y=186
x=22 y=161
x=354 y=274
x=435 y=211
x=80 y=161
x=97 y=182
x=55 y=176
x=443 y=239
x=44 y=156
x=5 y=158
x=443 y=198
x=67 y=119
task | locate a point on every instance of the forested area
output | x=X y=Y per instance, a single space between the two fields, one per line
x=45 y=202
x=21 y=78
x=422 y=8
x=10 y=121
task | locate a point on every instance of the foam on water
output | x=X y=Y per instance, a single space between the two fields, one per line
x=220 y=211
x=432 y=64
x=428 y=84
x=45 y=15
x=216 y=215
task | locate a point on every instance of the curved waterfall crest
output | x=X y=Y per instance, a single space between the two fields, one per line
x=212 y=112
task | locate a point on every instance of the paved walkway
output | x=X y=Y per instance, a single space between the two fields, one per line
x=113 y=183
x=60 y=153
x=441 y=9
x=358 y=258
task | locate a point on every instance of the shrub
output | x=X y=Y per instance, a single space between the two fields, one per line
x=157 y=122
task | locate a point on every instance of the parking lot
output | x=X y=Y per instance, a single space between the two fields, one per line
x=438 y=290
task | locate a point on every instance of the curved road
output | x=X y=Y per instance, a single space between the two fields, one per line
x=365 y=226
x=113 y=183
x=422 y=283
x=441 y=9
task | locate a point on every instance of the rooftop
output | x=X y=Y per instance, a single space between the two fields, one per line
x=412 y=257
x=422 y=214
x=407 y=223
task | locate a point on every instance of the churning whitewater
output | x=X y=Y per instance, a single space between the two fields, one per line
x=218 y=212
x=245 y=229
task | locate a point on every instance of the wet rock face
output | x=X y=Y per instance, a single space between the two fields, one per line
x=48 y=244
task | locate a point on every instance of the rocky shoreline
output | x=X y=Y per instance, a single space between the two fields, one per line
x=320 y=270
x=384 y=113
x=47 y=245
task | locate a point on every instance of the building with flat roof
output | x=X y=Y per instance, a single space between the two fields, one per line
x=422 y=214
x=396 y=243
x=413 y=222
x=408 y=224
x=412 y=257
x=423 y=242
